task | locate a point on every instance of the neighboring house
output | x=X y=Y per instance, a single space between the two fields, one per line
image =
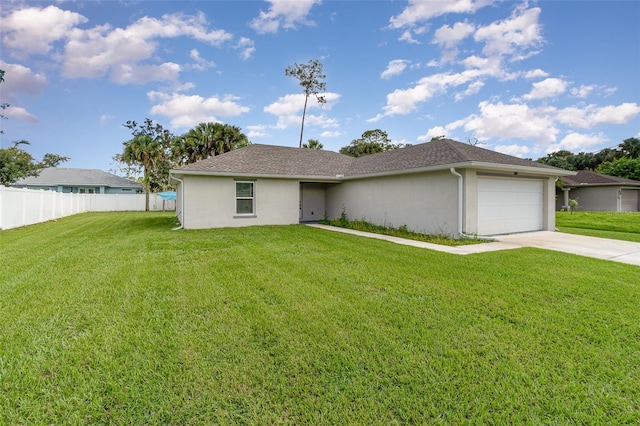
x=597 y=192
x=83 y=181
x=439 y=187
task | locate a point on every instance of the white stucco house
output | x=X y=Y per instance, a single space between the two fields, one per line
x=598 y=192
x=439 y=187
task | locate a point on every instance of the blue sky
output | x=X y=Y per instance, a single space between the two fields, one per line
x=523 y=78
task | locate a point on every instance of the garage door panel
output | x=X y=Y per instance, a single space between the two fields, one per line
x=509 y=205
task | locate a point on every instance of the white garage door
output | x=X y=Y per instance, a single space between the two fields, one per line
x=509 y=205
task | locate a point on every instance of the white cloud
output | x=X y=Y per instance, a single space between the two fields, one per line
x=472 y=89
x=285 y=14
x=331 y=134
x=246 y=47
x=583 y=91
x=19 y=113
x=547 y=88
x=420 y=10
x=403 y=101
x=518 y=121
x=448 y=37
x=200 y=63
x=20 y=79
x=105 y=118
x=511 y=121
x=188 y=110
x=537 y=73
x=289 y=108
x=394 y=67
x=615 y=114
x=577 y=142
x=33 y=30
x=257 y=131
x=103 y=50
x=514 y=149
x=513 y=36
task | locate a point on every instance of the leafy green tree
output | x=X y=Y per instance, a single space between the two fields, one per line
x=313 y=144
x=562 y=159
x=630 y=147
x=309 y=76
x=371 y=142
x=624 y=167
x=16 y=163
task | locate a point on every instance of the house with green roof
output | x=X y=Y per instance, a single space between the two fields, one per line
x=439 y=187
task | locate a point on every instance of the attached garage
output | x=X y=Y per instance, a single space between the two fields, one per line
x=507 y=205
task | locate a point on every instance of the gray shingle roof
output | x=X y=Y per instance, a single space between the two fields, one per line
x=275 y=160
x=435 y=153
x=585 y=178
x=60 y=176
x=259 y=159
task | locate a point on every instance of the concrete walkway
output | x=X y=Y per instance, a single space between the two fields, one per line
x=599 y=248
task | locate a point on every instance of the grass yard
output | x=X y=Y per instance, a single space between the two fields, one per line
x=112 y=318
x=618 y=226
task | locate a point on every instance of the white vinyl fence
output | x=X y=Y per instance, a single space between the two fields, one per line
x=21 y=206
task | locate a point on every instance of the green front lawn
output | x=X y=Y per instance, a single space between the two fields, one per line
x=114 y=318
x=618 y=226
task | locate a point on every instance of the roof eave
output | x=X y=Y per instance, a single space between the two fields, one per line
x=469 y=165
x=313 y=178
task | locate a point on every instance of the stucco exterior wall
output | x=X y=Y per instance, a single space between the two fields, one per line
x=425 y=202
x=596 y=198
x=209 y=202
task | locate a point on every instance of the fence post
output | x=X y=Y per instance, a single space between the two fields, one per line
x=24 y=206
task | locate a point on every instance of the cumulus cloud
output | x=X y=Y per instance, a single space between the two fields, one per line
x=257 y=131
x=118 y=52
x=577 y=142
x=19 y=79
x=289 y=108
x=513 y=149
x=33 y=30
x=394 y=67
x=283 y=13
x=419 y=10
x=519 y=121
x=20 y=114
x=547 y=88
x=448 y=37
x=537 y=73
x=188 y=110
x=126 y=55
x=246 y=47
x=514 y=36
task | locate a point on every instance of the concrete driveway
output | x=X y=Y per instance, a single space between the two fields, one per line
x=600 y=248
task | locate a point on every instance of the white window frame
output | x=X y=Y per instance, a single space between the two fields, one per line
x=252 y=198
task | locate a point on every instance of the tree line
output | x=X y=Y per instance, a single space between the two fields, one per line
x=622 y=161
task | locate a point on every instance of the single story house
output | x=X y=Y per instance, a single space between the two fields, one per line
x=83 y=181
x=598 y=192
x=439 y=187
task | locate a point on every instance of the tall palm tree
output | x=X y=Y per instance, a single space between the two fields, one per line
x=144 y=151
